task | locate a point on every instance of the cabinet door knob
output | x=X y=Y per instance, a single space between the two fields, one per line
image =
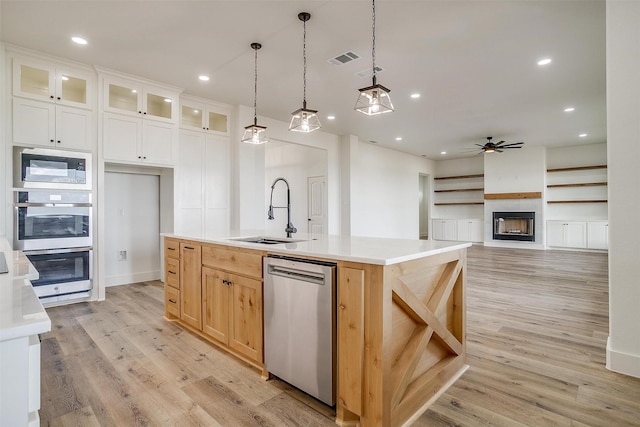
x=139 y=112
x=51 y=96
x=139 y=157
x=51 y=140
x=144 y=157
x=144 y=112
x=59 y=98
x=58 y=141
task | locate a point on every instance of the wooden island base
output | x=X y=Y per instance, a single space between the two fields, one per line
x=401 y=337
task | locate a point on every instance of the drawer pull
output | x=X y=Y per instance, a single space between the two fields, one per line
x=172 y=272
x=172 y=301
x=171 y=249
x=189 y=247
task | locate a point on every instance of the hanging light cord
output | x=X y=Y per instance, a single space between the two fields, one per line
x=255 y=89
x=373 y=45
x=304 y=67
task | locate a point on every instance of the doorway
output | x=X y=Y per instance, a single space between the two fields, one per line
x=423 y=205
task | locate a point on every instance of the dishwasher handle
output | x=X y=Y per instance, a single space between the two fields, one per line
x=292 y=273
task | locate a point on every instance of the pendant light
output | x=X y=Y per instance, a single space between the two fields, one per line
x=255 y=134
x=374 y=99
x=303 y=119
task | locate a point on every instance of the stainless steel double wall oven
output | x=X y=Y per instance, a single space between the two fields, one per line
x=53 y=222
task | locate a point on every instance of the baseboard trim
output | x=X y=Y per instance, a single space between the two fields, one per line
x=622 y=363
x=127 y=279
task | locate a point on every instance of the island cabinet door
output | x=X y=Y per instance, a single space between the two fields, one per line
x=215 y=304
x=190 y=284
x=245 y=334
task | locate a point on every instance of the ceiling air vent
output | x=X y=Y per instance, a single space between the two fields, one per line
x=343 y=58
x=368 y=72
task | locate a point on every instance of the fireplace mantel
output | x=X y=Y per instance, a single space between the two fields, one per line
x=502 y=196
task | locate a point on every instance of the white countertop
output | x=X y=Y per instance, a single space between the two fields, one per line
x=367 y=250
x=21 y=313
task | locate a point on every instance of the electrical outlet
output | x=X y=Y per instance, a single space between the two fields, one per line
x=122 y=255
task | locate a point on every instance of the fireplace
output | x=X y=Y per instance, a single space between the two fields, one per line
x=514 y=226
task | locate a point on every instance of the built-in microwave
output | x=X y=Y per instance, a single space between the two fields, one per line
x=51 y=169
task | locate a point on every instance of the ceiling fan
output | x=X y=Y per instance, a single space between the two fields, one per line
x=491 y=147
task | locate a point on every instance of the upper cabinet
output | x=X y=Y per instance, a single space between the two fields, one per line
x=202 y=116
x=52 y=104
x=140 y=122
x=52 y=83
x=136 y=99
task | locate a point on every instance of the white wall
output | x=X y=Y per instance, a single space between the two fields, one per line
x=515 y=171
x=132 y=221
x=295 y=163
x=5 y=158
x=623 y=152
x=384 y=191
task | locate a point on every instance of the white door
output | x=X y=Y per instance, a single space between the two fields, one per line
x=317 y=205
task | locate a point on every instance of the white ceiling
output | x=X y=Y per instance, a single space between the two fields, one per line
x=473 y=62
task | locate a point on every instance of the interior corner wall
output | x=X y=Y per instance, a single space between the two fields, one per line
x=385 y=189
x=623 y=152
x=5 y=146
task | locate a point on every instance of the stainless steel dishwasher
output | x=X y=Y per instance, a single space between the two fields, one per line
x=300 y=324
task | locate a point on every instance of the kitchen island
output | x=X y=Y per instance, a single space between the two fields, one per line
x=400 y=312
x=22 y=318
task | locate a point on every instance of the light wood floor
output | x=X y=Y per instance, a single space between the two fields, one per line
x=537 y=323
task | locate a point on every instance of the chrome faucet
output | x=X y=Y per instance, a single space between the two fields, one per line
x=290 y=228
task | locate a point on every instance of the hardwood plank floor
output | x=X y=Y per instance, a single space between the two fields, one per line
x=537 y=324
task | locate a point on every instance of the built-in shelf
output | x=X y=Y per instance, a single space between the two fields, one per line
x=459 y=177
x=576 y=201
x=459 y=190
x=579 y=168
x=458 y=203
x=581 y=184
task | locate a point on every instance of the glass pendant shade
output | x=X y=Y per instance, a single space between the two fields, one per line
x=304 y=120
x=374 y=100
x=255 y=134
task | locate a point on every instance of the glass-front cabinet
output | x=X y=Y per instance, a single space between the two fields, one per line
x=49 y=82
x=132 y=98
x=197 y=115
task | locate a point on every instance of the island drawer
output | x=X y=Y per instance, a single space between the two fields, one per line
x=172 y=301
x=172 y=248
x=172 y=272
x=248 y=263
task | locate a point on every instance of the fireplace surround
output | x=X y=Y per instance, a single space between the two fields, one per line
x=519 y=226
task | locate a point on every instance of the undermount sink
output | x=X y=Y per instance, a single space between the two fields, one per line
x=265 y=240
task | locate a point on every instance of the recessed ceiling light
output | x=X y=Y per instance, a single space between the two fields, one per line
x=167 y=100
x=398 y=138
x=195 y=111
x=134 y=91
x=203 y=78
x=582 y=135
x=415 y=95
x=331 y=117
x=443 y=152
x=569 y=109
x=78 y=40
x=544 y=61
x=64 y=78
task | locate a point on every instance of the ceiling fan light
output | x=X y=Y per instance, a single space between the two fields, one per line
x=374 y=100
x=255 y=134
x=304 y=120
x=489 y=150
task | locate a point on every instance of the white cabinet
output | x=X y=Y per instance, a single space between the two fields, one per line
x=202 y=116
x=139 y=122
x=202 y=184
x=136 y=99
x=470 y=230
x=50 y=125
x=53 y=83
x=567 y=234
x=132 y=140
x=445 y=229
x=598 y=235
x=52 y=105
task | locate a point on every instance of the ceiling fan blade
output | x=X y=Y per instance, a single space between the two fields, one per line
x=482 y=146
x=513 y=144
x=499 y=143
x=517 y=146
x=499 y=151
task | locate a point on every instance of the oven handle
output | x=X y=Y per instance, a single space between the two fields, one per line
x=52 y=205
x=57 y=251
